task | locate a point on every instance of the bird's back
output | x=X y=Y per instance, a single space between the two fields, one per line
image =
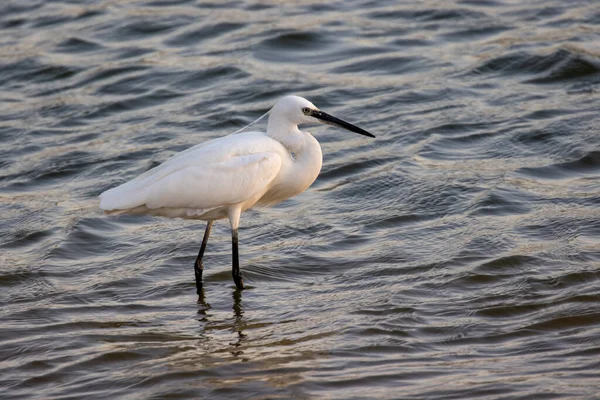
x=199 y=162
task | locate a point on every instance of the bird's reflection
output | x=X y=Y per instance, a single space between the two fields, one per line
x=239 y=324
x=205 y=307
x=238 y=310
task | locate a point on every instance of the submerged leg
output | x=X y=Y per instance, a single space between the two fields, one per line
x=198 y=267
x=234 y=220
x=235 y=266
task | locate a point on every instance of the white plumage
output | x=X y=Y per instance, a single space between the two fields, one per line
x=214 y=175
x=222 y=178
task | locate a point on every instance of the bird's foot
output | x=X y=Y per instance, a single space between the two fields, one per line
x=239 y=282
x=198 y=269
x=202 y=298
x=199 y=289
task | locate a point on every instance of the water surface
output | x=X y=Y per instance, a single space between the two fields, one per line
x=456 y=256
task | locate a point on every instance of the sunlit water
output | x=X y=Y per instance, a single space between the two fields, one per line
x=455 y=256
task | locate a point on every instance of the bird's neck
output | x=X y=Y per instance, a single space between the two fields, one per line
x=304 y=149
x=287 y=134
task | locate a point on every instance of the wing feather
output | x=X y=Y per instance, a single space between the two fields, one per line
x=221 y=183
x=222 y=171
x=228 y=182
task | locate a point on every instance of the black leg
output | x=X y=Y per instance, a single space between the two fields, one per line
x=235 y=267
x=198 y=267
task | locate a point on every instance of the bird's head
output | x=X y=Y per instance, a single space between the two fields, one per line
x=297 y=110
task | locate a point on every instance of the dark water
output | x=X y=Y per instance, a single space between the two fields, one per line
x=455 y=256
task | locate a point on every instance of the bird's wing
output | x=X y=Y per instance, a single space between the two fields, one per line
x=229 y=181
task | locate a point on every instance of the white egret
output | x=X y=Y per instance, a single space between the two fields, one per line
x=222 y=178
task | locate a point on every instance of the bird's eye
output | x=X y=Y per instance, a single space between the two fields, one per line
x=306 y=110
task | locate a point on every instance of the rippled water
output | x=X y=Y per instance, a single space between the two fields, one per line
x=455 y=256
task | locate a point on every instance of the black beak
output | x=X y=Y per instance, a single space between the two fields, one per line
x=331 y=120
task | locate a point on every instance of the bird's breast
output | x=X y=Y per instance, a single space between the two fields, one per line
x=298 y=172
